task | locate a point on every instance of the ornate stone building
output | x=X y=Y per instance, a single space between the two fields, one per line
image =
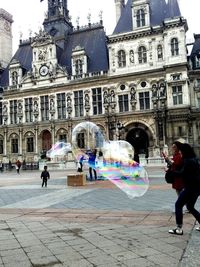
x=134 y=84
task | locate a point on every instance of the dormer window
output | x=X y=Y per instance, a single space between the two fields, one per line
x=78 y=67
x=121 y=58
x=142 y=55
x=140 y=18
x=79 y=62
x=14 y=78
x=174 y=47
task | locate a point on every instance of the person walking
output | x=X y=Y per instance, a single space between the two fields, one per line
x=175 y=164
x=45 y=176
x=190 y=172
x=18 y=165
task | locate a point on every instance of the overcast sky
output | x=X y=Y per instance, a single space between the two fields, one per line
x=29 y=14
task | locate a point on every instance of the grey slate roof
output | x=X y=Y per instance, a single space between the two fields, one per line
x=94 y=43
x=92 y=39
x=159 y=10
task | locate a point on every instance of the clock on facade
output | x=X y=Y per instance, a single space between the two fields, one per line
x=44 y=70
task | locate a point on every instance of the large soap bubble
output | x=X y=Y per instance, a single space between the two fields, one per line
x=121 y=170
x=117 y=164
x=86 y=135
x=59 y=149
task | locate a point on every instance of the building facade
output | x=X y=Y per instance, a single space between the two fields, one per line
x=135 y=84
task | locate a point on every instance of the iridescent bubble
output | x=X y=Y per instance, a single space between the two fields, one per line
x=122 y=171
x=116 y=162
x=59 y=149
x=86 y=136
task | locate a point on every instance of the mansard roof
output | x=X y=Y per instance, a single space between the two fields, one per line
x=159 y=11
x=92 y=39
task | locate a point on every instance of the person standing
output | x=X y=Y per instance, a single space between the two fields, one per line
x=45 y=176
x=190 y=172
x=92 y=163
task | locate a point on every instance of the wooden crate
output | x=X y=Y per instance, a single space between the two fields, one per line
x=76 y=179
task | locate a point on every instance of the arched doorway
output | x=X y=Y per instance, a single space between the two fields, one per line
x=139 y=139
x=46 y=142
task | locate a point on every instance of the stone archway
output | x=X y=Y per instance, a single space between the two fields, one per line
x=140 y=136
x=139 y=139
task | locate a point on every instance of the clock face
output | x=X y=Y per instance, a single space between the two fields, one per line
x=44 y=70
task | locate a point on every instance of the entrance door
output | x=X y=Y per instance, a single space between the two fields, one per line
x=138 y=138
x=46 y=141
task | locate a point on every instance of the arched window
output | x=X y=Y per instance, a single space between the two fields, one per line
x=79 y=67
x=174 y=47
x=131 y=56
x=121 y=59
x=140 y=18
x=142 y=55
x=14 y=78
x=160 y=52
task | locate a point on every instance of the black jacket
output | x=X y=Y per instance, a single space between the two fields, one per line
x=190 y=172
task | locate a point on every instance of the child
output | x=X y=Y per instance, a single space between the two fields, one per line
x=45 y=175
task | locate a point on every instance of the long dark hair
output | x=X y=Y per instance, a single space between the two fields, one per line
x=187 y=151
x=177 y=144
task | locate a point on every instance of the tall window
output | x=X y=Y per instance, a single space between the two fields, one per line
x=197 y=62
x=1 y=146
x=29 y=109
x=13 y=111
x=14 y=145
x=97 y=101
x=177 y=95
x=14 y=78
x=123 y=103
x=142 y=55
x=63 y=138
x=81 y=140
x=174 y=47
x=61 y=106
x=160 y=52
x=121 y=59
x=144 y=100
x=140 y=18
x=78 y=67
x=78 y=103
x=30 y=144
x=44 y=102
x=1 y=113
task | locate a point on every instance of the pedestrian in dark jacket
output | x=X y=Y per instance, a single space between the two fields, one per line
x=45 y=176
x=190 y=172
x=92 y=163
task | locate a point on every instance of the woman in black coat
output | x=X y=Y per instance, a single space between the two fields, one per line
x=189 y=195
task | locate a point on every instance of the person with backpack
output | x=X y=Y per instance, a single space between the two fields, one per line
x=45 y=176
x=190 y=172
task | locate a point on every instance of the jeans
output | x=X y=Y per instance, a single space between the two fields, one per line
x=90 y=172
x=187 y=197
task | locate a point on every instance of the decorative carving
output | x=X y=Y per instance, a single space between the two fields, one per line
x=87 y=101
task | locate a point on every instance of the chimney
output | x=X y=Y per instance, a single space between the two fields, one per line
x=119 y=4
